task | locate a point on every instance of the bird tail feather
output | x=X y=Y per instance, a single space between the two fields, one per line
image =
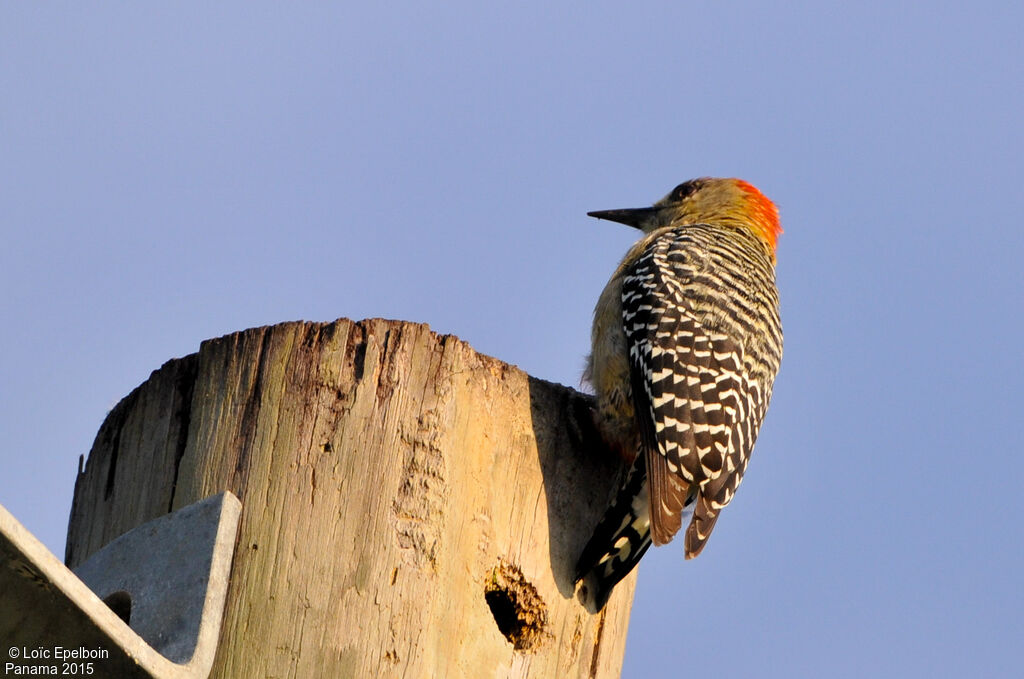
x=620 y=539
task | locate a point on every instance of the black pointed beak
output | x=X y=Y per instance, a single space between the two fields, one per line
x=636 y=217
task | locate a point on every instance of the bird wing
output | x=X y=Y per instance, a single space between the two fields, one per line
x=689 y=390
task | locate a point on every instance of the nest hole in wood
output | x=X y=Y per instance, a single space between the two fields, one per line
x=518 y=610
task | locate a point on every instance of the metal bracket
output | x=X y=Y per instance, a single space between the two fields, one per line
x=148 y=604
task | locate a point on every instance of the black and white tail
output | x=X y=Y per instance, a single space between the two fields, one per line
x=620 y=539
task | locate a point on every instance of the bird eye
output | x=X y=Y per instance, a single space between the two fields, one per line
x=683 y=190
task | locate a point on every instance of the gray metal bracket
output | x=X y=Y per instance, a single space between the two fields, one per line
x=168 y=578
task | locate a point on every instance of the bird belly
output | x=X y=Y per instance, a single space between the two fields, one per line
x=608 y=373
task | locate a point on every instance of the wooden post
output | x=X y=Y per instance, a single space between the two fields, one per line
x=410 y=508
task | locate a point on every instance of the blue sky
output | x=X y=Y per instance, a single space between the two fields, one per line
x=174 y=173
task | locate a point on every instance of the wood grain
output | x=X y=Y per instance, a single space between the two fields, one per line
x=410 y=507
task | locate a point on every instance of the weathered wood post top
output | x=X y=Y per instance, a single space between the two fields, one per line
x=409 y=507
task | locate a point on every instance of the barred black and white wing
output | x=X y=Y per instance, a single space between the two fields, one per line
x=697 y=409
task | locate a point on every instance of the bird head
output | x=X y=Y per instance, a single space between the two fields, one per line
x=708 y=200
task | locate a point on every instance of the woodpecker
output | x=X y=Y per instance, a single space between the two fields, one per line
x=686 y=344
